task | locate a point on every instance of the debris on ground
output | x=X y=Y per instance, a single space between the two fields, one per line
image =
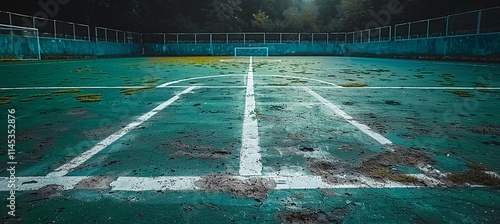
x=312 y=217
x=99 y=182
x=476 y=175
x=254 y=187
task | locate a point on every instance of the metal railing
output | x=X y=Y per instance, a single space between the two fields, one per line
x=467 y=23
x=461 y=24
x=47 y=27
x=103 y=34
x=242 y=38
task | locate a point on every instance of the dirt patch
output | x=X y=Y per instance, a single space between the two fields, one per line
x=256 y=188
x=493 y=130
x=46 y=192
x=330 y=171
x=99 y=133
x=312 y=217
x=102 y=182
x=77 y=112
x=204 y=155
x=476 y=175
x=381 y=166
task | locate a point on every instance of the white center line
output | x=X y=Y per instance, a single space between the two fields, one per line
x=250 y=158
x=66 y=168
x=379 y=138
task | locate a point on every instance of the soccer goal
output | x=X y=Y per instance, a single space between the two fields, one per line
x=251 y=51
x=23 y=43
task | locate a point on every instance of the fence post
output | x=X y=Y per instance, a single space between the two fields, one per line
x=10 y=19
x=55 y=30
x=299 y=38
x=447 y=25
x=88 y=32
x=264 y=38
x=177 y=38
x=409 y=30
x=164 y=39
x=428 y=27
x=34 y=23
x=227 y=38
x=479 y=15
x=390 y=33
x=74 y=32
x=379 y=34
x=96 y=35
x=244 y=38
x=105 y=34
x=281 y=38
x=195 y=38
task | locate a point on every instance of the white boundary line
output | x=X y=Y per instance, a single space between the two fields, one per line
x=250 y=158
x=189 y=183
x=379 y=138
x=333 y=86
x=66 y=168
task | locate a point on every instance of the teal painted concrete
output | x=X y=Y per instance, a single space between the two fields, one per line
x=19 y=47
x=460 y=46
x=481 y=46
x=228 y=49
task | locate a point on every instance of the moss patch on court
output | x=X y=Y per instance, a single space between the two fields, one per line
x=67 y=91
x=476 y=175
x=4 y=101
x=461 y=93
x=381 y=166
x=132 y=91
x=354 y=84
x=88 y=98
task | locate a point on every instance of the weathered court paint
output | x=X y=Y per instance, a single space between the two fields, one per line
x=250 y=157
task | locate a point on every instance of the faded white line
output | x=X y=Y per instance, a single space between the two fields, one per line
x=283 y=181
x=72 y=87
x=250 y=158
x=178 y=183
x=379 y=138
x=64 y=169
x=195 y=78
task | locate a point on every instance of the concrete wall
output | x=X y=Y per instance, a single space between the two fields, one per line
x=482 y=46
x=228 y=49
x=18 y=47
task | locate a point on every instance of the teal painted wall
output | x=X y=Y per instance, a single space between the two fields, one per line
x=19 y=47
x=228 y=49
x=460 y=46
x=482 y=46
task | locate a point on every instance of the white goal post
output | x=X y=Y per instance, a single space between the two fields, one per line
x=23 y=43
x=251 y=51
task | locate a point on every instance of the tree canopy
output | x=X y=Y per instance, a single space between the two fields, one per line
x=248 y=15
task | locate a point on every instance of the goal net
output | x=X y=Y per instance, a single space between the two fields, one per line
x=19 y=43
x=251 y=51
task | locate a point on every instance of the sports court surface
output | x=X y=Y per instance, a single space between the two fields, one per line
x=253 y=140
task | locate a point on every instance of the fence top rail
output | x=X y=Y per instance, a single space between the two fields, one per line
x=19 y=27
x=105 y=28
x=40 y=18
x=239 y=33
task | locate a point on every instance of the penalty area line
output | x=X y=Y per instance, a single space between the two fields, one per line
x=66 y=168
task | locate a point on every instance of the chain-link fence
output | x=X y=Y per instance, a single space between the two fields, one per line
x=461 y=24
